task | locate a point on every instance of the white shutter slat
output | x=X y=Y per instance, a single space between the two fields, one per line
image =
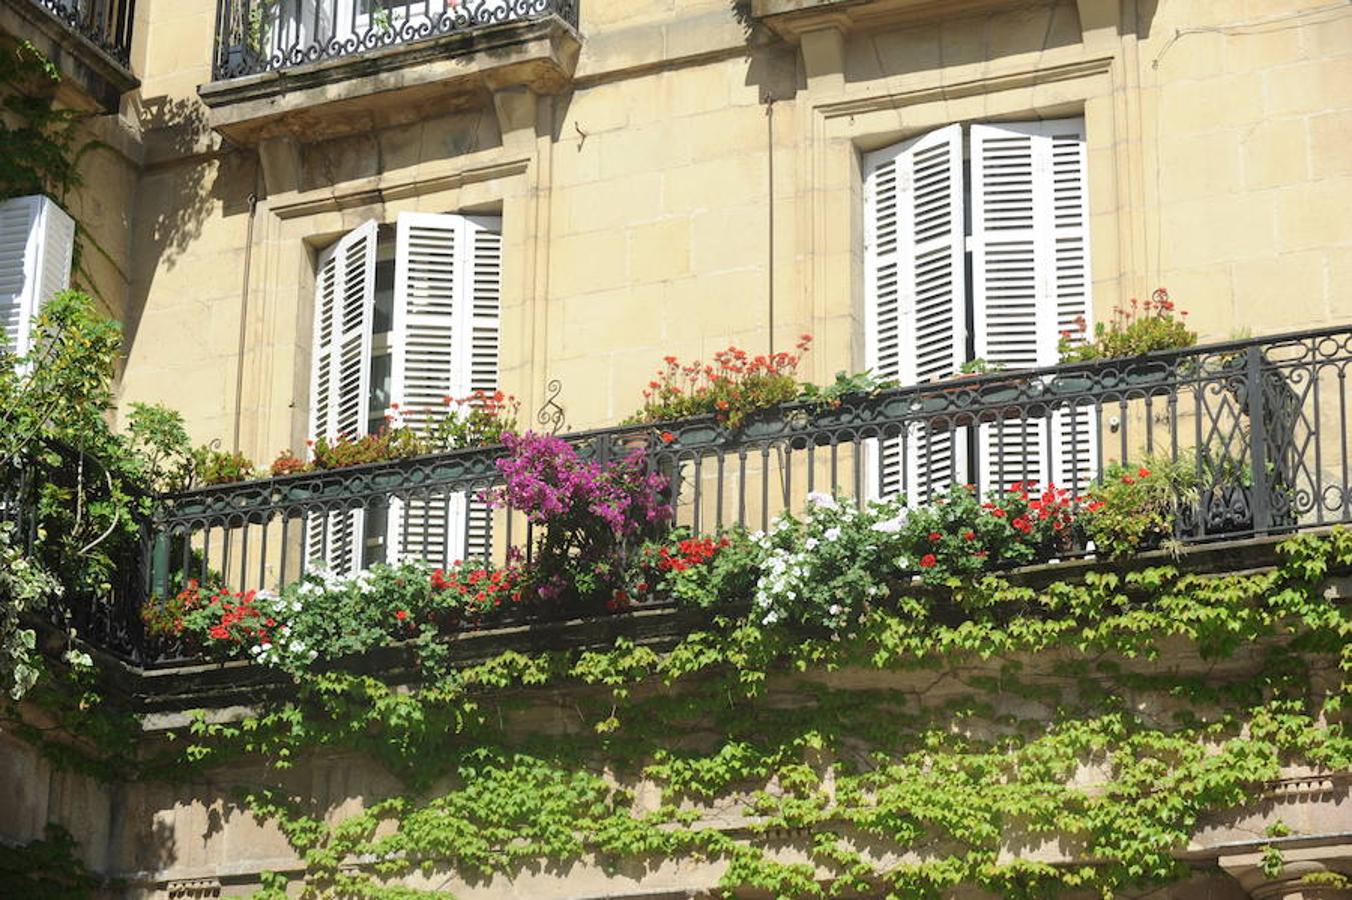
x=483 y=278
x=1075 y=453
x=37 y=247
x=1030 y=281
x=340 y=380
x=446 y=343
x=914 y=311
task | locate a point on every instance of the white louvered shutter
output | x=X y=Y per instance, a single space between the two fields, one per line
x=445 y=344
x=37 y=245
x=340 y=381
x=1030 y=281
x=915 y=299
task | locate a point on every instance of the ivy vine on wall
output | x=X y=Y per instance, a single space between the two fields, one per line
x=1053 y=726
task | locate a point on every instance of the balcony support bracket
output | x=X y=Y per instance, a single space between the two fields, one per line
x=823 y=52
x=1099 y=22
x=280 y=158
x=516 y=109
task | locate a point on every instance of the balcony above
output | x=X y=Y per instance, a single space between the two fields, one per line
x=323 y=68
x=88 y=40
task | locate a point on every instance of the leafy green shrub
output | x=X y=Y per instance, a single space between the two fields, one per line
x=1133 y=506
x=824 y=570
x=214 y=466
x=479 y=420
x=158 y=444
x=1156 y=324
x=957 y=537
x=25 y=589
x=700 y=571
x=859 y=384
x=384 y=445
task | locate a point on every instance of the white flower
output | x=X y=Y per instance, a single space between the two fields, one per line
x=889 y=526
x=255 y=649
x=831 y=533
x=810 y=543
x=834 y=609
x=264 y=594
x=771 y=618
x=817 y=498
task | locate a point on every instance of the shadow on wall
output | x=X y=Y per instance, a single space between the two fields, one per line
x=183 y=181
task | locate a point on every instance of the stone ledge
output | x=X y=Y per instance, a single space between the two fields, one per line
x=394 y=85
x=790 y=19
x=100 y=80
x=165 y=692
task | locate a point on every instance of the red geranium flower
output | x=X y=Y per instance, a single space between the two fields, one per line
x=928 y=561
x=401 y=615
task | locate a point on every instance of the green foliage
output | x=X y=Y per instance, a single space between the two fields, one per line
x=60 y=460
x=213 y=466
x=951 y=778
x=1131 y=331
x=701 y=572
x=823 y=572
x=864 y=384
x=477 y=420
x=158 y=442
x=39 y=154
x=25 y=590
x=957 y=537
x=386 y=444
x=47 y=869
x=1133 y=507
x=744 y=719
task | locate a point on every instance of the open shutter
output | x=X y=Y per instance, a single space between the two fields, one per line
x=483 y=277
x=915 y=298
x=445 y=344
x=340 y=381
x=37 y=245
x=1030 y=280
x=1075 y=452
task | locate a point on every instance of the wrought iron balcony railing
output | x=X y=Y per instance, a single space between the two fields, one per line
x=255 y=36
x=105 y=23
x=1264 y=423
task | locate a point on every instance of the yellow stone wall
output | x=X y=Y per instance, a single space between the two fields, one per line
x=637 y=211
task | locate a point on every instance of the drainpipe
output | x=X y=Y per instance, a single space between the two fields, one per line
x=244 y=318
x=770 y=229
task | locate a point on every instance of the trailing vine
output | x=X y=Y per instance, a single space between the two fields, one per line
x=42 y=144
x=1038 y=715
x=1099 y=750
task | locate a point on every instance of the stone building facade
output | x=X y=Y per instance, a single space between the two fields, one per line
x=669 y=177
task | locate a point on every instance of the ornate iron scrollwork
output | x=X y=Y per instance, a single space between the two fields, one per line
x=551 y=413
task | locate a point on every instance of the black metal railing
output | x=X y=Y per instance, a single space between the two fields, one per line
x=1263 y=422
x=105 y=23
x=255 y=36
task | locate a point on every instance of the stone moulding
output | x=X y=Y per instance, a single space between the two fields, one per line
x=396 y=84
x=790 y=19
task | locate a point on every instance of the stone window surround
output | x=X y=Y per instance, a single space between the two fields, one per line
x=842 y=123
x=295 y=225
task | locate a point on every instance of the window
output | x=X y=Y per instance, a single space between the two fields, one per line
x=977 y=246
x=407 y=316
x=37 y=243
